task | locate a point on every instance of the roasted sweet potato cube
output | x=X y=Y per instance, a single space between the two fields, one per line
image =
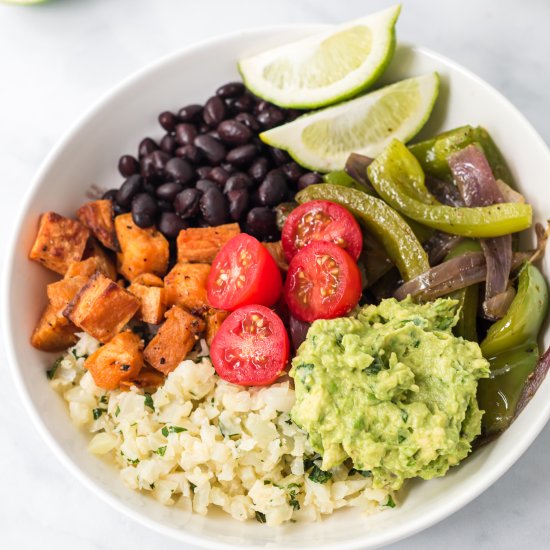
x=86 y=268
x=174 y=340
x=101 y=307
x=214 y=319
x=153 y=304
x=276 y=251
x=53 y=332
x=148 y=279
x=141 y=250
x=59 y=242
x=185 y=286
x=119 y=360
x=148 y=378
x=104 y=258
x=62 y=292
x=98 y=217
x=201 y=244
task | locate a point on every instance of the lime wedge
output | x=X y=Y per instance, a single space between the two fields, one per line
x=323 y=140
x=327 y=67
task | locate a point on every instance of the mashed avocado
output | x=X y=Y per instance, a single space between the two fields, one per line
x=391 y=388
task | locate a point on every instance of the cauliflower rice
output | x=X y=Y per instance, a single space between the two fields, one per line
x=199 y=442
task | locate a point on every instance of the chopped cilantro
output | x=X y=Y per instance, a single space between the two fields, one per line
x=192 y=486
x=401 y=438
x=390 y=502
x=291 y=485
x=117 y=410
x=319 y=476
x=289 y=421
x=293 y=501
x=260 y=517
x=364 y=473
x=267 y=482
x=161 y=450
x=172 y=430
x=97 y=413
x=375 y=367
x=51 y=372
x=149 y=401
x=104 y=399
x=404 y=415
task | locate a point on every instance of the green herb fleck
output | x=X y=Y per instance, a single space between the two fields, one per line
x=161 y=450
x=97 y=413
x=117 y=410
x=104 y=399
x=375 y=367
x=404 y=415
x=192 y=486
x=293 y=501
x=260 y=517
x=172 y=430
x=291 y=485
x=319 y=476
x=149 y=401
x=51 y=372
x=267 y=482
x=390 y=503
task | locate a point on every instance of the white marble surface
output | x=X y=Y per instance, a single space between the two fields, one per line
x=56 y=59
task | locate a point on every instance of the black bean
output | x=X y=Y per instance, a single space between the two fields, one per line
x=168 y=191
x=231 y=89
x=310 y=178
x=190 y=113
x=128 y=166
x=238 y=203
x=127 y=191
x=219 y=175
x=214 y=207
x=165 y=206
x=242 y=104
x=215 y=134
x=146 y=147
x=204 y=185
x=293 y=114
x=150 y=188
x=186 y=203
x=259 y=169
x=279 y=156
x=238 y=180
x=203 y=172
x=262 y=106
x=171 y=224
x=234 y=132
x=213 y=150
x=185 y=133
x=214 y=111
x=168 y=144
x=168 y=120
x=144 y=210
x=117 y=209
x=243 y=154
x=109 y=195
x=178 y=170
x=190 y=153
x=203 y=128
x=298 y=331
x=229 y=168
x=152 y=166
x=249 y=121
x=260 y=223
x=273 y=189
x=293 y=171
x=148 y=169
x=271 y=117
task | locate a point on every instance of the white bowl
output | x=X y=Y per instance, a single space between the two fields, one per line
x=89 y=154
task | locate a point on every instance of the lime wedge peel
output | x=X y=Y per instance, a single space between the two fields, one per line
x=324 y=139
x=327 y=67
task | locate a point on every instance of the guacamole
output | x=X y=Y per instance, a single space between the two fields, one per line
x=391 y=388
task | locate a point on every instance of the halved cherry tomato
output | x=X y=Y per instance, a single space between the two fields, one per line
x=243 y=272
x=322 y=282
x=251 y=348
x=321 y=221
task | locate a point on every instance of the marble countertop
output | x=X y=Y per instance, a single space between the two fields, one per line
x=59 y=57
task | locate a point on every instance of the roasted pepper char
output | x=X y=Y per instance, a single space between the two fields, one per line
x=382 y=221
x=512 y=350
x=392 y=174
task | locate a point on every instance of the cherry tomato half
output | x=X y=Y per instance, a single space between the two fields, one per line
x=251 y=348
x=321 y=221
x=243 y=272
x=323 y=282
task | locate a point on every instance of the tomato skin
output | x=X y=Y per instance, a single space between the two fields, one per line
x=321 y=221
x=247 y=353
x=323 y=282
x=243 y=272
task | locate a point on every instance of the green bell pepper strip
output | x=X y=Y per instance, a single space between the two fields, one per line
x=433 y=153
x=524 y=317
x=382 y=221
x=391 y=174
x=341 y=177
x=467 y=297
x=498 y=395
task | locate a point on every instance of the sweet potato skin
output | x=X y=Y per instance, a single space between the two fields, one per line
x=120 y=359
x=214 y=319
x=105 y=262
x=53 y=332
x=86 y=268
x=174 y=340
x=101 y=307
x=62 y=292
x=185 y=286
x=201 y=244
x=153 y=304
x=98 y=217
x=59 y=242
x=141 y=250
